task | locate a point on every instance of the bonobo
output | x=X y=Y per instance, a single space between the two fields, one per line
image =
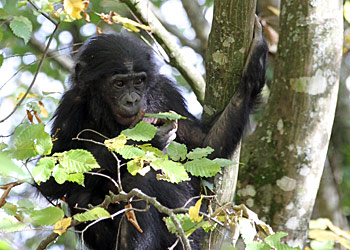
x=116 y=77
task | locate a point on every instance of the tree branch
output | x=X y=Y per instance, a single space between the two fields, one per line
x=199 y=23
x=142 y=10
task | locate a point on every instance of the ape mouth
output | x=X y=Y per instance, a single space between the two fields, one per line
x=125 y=120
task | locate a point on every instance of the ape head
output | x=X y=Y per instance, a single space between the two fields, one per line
x=119 y=69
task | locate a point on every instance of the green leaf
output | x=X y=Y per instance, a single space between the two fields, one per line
x=93 y=214
x=143 y=131
x=10 y=209
x=47 y=216
x=11 y=225
x=257 y=246
x=3 y=146
x=5 y=245
x=60 y=175
x=32 y=141
x=43 y=169
x=275 y=241
x=166 y=116
x=8 y=168
x=188 y=226
x=202 y=167
x=78 y=178
x=173 y=172
x=224 y=162
x=149 y=148
x=176 y=151
x=26 y=205
x=1 y=56
x=21 y=4
x=134 y=166
x=3 y=14
x=131 y=152
x=77 y=161
x=22 y=27
x=322 y=245
x=198 y=153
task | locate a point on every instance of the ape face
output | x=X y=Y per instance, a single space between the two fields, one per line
x=126 y=95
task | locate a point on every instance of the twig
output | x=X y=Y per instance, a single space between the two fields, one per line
x=35 y=76
x=142 y=10
x=199 y=23
x=7 y=189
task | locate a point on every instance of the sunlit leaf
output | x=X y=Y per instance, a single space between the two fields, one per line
x=78 y=161
x=74 y=7
x=116 y=143
x=347 y=11
x=131 y=152
x=43 y=169
x=11 y=225
x=166 y=116
x=93 y=214
x=194 y=211
x=62 y=225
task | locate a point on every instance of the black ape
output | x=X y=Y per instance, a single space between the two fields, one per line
x=115 y=77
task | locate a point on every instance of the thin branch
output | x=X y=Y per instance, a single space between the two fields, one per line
x=43 y=13
x=198 y=21
x=142 y=10
x=35 y=76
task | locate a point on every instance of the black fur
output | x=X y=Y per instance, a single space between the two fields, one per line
x=85 y=105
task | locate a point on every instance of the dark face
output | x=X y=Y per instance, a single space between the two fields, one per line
x=126 y=93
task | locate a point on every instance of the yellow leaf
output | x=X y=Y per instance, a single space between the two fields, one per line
x=43 y=110
x=347 y=11
x=274 y=10
x=194 y=211
x=129 y=24
x=116 y=143
x=62 y=225
x=20 y=96
x=74 y=7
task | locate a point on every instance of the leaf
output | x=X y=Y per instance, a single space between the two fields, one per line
x=60 y=175
x=173 y=172
x=32 y=141
x=224 y=162
x=1 y=56
x=47 y=216
x=257 y=246
x=275 y=241
x=141 y=132
x=347 y=11
x=202 y=167
x=166 y=116
x=116 y=143
x=43 y=169
x=78 y=161
x=176 y=151
x=93 y=214
x=10 y=209
x=20 y=96
x=322 y=245
x=9 y=169
x=198 y=153
x=62 y=225
x=11 y=225
x=149 y=148
x=135 y=165
x=5 y=245
x=74 y=7
x=188 y=226
x=193 y=211
x=22 y=27
x=131 y=152
x=3 y=14
x=77 y=177
x=129 y=24
x=21 y=4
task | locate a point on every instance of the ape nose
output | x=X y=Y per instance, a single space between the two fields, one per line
x=131 y=99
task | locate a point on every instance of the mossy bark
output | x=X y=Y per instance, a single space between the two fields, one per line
x=284 y=158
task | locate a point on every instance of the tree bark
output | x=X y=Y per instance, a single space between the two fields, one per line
x=284 y=158
x=228 y=47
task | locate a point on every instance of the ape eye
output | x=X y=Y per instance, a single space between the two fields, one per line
x=139 y=81
x=119 y=84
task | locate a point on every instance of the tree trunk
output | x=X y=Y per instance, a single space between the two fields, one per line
x=228 y=47
x=284 y=158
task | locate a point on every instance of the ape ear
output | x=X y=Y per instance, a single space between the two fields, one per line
x=78 y=71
